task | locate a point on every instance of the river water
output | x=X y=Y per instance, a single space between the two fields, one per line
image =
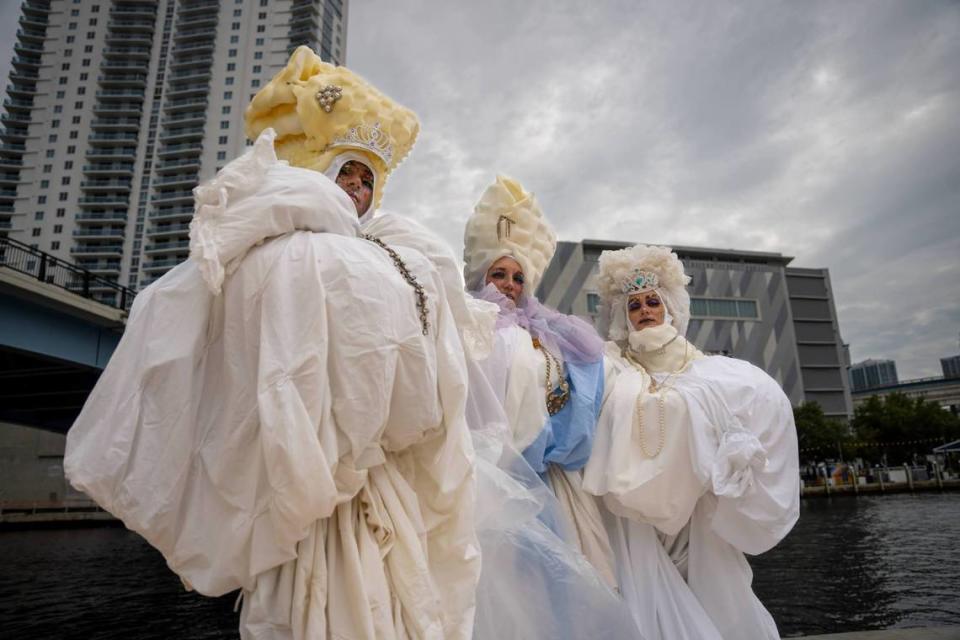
x=850 y=564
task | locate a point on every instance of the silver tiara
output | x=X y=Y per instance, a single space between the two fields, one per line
x=639 y=281
x=369 y=137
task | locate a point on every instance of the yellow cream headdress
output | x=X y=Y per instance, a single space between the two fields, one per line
x=507 y=221
x=320 y=110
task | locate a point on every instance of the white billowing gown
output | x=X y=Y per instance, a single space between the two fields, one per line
x=725 y=482
x=276 y=420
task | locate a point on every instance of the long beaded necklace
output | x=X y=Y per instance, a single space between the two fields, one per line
x=663 y=388
x=556 y=400
x=409 y=277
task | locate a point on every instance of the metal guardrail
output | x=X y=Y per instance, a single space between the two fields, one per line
x=66 y=275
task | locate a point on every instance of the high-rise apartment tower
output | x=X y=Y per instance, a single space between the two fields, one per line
x=116 y=109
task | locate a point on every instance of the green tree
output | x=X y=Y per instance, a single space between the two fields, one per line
x=818 y=436
x=902 y=427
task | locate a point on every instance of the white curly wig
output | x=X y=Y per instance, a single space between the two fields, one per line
x=618 y=267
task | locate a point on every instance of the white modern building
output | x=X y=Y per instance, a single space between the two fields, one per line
x=116 y=109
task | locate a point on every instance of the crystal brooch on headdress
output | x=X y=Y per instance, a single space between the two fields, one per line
x=328 y=96
x=369 y=137
x=639 y=281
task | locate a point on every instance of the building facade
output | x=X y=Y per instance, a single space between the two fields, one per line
x=950 y=366
x=116 y=109
x=873 y=373
x=746 y=304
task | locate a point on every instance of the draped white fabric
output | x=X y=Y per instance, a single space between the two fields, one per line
x=725 y=483
x=296 y=436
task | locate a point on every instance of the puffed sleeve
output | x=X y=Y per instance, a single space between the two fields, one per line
x=208 y=433
x=744 y=447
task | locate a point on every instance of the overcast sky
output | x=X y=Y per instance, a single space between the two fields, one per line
x=827 y=131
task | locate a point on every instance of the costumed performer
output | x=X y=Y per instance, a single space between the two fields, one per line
x=546 y=367
x=695 y=458
x=285 y=411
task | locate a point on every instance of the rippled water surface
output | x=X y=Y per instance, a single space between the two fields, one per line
x=850 y=564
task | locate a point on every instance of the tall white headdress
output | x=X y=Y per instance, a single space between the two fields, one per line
x=635 y=270
x=507 y=221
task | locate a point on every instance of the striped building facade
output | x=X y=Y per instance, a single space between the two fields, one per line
x=745 y=304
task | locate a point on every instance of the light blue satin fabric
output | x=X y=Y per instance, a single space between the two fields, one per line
x=567 y=437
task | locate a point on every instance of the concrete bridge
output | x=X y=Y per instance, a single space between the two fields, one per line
x=59 y=324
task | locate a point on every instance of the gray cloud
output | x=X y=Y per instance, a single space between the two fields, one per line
x=826 y=131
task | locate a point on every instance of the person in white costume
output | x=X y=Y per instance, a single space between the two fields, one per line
x=695 y=459
x=546 y=367
x=285 y=413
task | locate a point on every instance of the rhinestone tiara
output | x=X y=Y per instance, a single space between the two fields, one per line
x=639 y=281
x=369 y=137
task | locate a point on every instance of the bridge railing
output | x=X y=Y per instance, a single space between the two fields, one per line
x=66 y=275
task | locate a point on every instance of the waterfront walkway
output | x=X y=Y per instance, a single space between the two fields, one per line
x=938 y=633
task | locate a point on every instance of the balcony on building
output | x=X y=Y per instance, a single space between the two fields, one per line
x=105 y=249
x=170 y=214
x=198 y=104
x=166 y=246
x=111 y=108
x=200 y=8
x=142 y=53
x=108 y=169
x=195 y=48
x=21 y=91
x=10 y=161
x=178 y=91
x=123 y=80
x=13 y=134
x=32 y=36
x=100 y=267
x=133 y=11
x=188 y=180
x=171 y=150
x=115 y=39
x=120 y=94
x=101 y=216
x=109 y=138
x=26 y=48
x=126 y=64
x=116 y=124
x=32 y=24
x=189 y=74
x=178 y=165
x=8 y=179
x=172 y=197
x=188 y=61
x=106 y=185
x=99 y=233
x=181 y=134
x=15 y=118
x=162 y=264
x=183 y=119
x=108 y=200
x=27 y=62
x=168 y=230
x=130 y=25
x=23 y=75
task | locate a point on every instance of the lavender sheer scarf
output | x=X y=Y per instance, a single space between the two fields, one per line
x=575 y=339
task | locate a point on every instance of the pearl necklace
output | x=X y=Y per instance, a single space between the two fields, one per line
x=663 y=388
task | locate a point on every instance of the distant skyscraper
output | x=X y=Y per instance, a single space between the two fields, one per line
x=870 y=374
x=116 y=109
x=950 y=366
